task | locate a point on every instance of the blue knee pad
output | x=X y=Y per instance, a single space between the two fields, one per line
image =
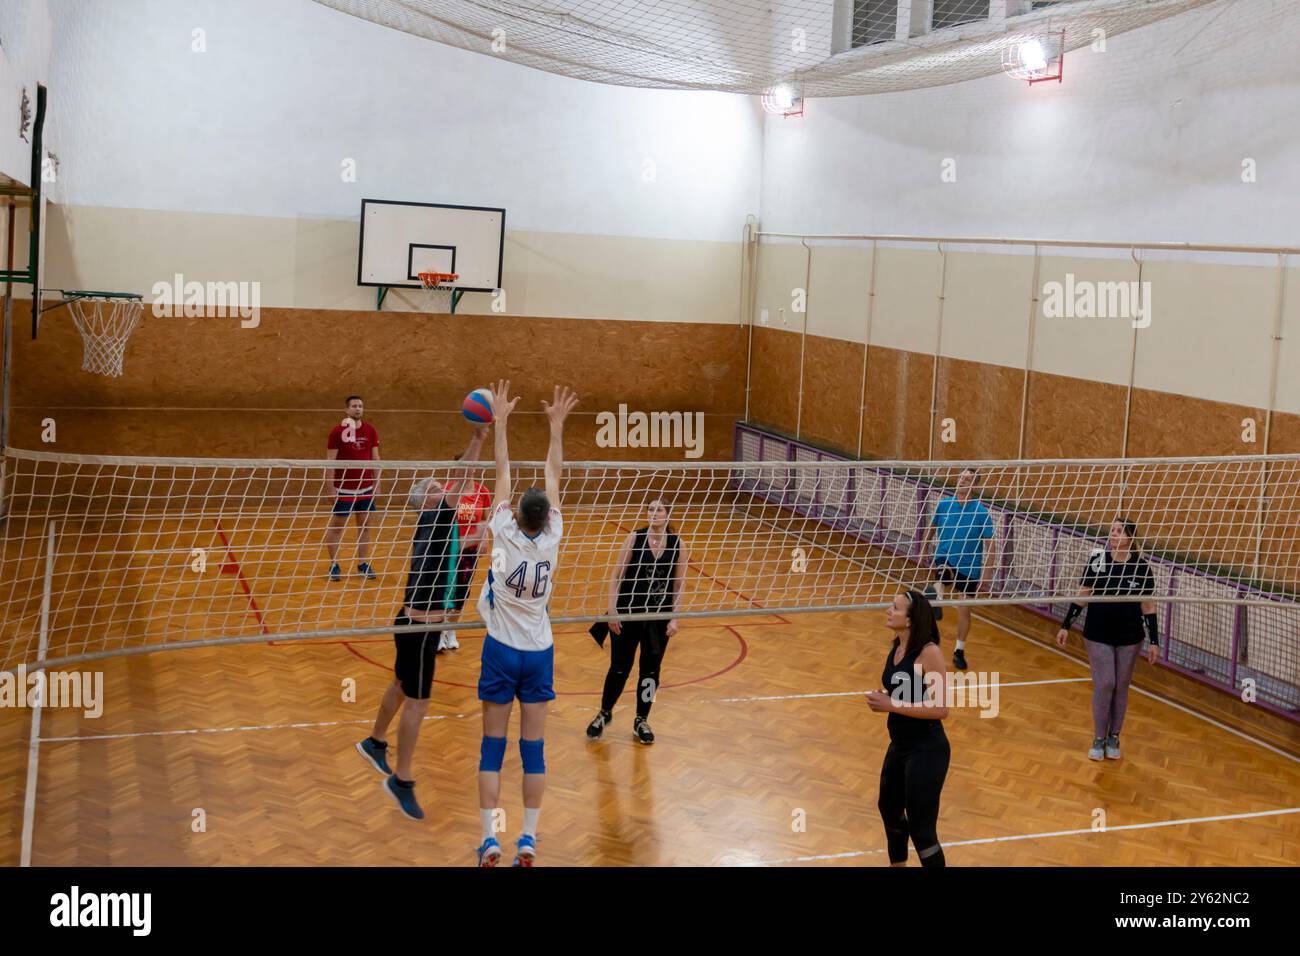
x=492 y=754
x=530 y=752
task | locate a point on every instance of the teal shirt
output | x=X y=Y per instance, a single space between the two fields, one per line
x=962 y=531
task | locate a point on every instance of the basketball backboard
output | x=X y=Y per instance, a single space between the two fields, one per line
x=399 y=240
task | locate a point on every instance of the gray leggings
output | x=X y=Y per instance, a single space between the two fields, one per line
x=1112 y=672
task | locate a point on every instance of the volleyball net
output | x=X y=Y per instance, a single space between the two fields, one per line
x=110 y=555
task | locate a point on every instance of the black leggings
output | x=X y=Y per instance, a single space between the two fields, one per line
x=911 y=780
x=652 y=637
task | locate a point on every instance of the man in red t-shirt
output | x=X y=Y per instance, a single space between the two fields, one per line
x=475 y=500
x=353 y=490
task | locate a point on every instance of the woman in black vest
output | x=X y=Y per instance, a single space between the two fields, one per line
x=916 y=763
x=648 y=577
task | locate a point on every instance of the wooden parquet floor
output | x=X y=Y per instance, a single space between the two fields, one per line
x=767 y=753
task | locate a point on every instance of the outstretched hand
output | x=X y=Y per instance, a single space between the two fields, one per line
x=502 y=403
x=558 y=410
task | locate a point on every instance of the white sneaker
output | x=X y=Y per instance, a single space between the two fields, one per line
x=448 y=641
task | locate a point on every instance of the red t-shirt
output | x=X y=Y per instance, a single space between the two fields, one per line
x=354 y=481
x=472 y=507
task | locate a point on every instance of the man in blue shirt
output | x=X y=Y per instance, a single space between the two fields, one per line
x=961 y=525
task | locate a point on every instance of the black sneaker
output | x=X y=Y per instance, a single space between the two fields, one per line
x=959 y=659
x=598 y=725
x=641 y=730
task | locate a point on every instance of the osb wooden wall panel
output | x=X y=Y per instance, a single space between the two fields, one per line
x=1073 y=418
x=984 y=403
x=774 y=378
x=403 y=435
x=832 y=379
x=207 y=387
x=1165 y=425
x=1285 y=437
x=896 y=421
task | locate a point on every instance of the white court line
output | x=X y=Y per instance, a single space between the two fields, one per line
x=366 y=720
x=1044 y=836
x=34 y=739
x=856 y=693
x=231 y=730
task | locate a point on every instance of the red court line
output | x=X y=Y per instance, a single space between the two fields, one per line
x=243 y=582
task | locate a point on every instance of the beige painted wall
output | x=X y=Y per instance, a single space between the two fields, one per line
x=1210 y=335
x=312 y=264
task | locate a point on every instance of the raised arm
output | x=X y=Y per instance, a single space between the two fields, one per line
x=455 y=486
x=502 y=406
x=557 y=412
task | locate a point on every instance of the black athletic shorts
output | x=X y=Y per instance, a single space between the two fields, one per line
x=416 y=652
x=949 y=575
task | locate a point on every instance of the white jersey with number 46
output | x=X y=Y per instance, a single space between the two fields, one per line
x=514 y=599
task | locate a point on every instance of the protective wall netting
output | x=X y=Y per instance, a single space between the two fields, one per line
x=823 y=47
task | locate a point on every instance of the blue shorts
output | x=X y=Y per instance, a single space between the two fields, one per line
x=347 y=505
x=507 y=673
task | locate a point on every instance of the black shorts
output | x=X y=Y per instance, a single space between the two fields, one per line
x=416 y=652
x=464 y=577
x=949 y=575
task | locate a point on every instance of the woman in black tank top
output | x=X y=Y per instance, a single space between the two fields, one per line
x=914 y=695
x=648 y=577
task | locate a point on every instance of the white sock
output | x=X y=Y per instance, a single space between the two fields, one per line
x=486 y=821
x=530 y=820
x=961 y=644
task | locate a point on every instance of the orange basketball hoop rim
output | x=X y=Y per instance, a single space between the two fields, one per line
x=435 y=280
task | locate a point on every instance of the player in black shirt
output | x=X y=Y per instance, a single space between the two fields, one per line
x=648 y=577
x=916 y=763
x=1113 y=631
x=428 y=599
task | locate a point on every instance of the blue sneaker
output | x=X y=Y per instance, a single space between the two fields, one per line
x=377 y=757
x=525 y=851
x=366 y=571
x=336 y=573
x=404 y=797
x=489 y=854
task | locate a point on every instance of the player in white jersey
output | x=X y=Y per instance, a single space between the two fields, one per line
x=518 y=652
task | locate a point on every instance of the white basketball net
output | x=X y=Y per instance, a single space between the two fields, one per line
x=105 y=324
x=439 y=295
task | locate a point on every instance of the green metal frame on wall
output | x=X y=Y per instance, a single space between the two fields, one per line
x=381 y=293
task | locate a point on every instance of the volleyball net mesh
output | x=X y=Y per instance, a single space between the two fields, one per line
x=103 y=556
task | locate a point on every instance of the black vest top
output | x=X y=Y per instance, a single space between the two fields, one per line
x=905 y=681
x=647 y=583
